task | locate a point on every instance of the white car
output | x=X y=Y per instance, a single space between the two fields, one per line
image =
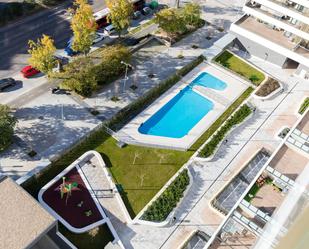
x=98 y=37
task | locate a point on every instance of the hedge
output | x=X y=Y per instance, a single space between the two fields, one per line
x=167 y=201
x=304 y=106
x=127 y=113
x=239 y=116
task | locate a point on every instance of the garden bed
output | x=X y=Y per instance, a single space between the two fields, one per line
x=240 y=67
x=160 y=209
x=268 y=89
x=239 y=116
x=304 y=106
x=68 y=198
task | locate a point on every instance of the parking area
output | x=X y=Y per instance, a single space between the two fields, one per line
x=289 y=162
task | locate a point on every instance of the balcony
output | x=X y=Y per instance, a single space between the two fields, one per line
x=277 y=19
x=285 y=9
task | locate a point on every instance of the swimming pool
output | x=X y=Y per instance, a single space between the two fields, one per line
x=207 y=80
x=178 y=116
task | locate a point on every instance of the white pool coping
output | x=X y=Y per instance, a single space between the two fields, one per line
x=56 y=215
x=235 y=87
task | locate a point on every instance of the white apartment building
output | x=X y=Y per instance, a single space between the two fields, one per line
x=276 y=31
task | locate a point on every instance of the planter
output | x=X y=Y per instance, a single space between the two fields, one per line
x=210 y=158
x=138 y=219
x=272 y=94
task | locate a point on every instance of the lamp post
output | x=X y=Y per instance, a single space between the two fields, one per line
x=126 y=74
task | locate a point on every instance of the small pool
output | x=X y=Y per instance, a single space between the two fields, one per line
x=178 y=116
x=207 y=80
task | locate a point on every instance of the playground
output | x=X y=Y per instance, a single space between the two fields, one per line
x=69 y=198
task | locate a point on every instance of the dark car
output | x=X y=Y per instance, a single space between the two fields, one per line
x=58 y=90
x=131 y=41
x=4 y=83
x=146 y=11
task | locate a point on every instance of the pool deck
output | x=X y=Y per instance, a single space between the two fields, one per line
x=221 y=100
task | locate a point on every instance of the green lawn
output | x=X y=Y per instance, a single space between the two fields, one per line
x=239 y=66
x=143 y=179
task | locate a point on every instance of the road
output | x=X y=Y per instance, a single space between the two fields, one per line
x=14 y=37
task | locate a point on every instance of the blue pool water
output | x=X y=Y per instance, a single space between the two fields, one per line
x=207 y=80
x=178 y=116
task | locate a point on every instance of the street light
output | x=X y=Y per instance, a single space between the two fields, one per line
x=126 y=74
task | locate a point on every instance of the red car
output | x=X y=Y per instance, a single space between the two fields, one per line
x=29 y=71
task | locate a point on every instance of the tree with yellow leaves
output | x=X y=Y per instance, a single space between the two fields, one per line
x=42 y=54
x=83 y=26
x=120 y=14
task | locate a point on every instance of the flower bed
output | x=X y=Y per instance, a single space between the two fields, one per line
x=268 y=87
x=160 y=209
x=243 y=112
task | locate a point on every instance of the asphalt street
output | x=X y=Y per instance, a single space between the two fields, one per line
x=14 y=37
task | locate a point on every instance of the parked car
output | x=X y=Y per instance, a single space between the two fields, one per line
x=7 y=82
x=109 y=29
x=29 y=71
x=136 y=15
x=98 y=37
x=146 y=11
x=58 y=90
x=131 y=41
x=68 y=50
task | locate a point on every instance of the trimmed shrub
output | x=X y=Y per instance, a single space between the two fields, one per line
x=167 y=201
x=243 y=112
x=304 y=106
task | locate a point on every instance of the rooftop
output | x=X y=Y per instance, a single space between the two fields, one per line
x=22 y=218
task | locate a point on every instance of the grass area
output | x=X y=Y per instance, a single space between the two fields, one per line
x=142 y=26
x=95 y=238
x=252 y=193
x=143 y=177
x=240 y=67
x=304 y=106
x=228 y=112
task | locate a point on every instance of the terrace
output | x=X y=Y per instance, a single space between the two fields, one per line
x=233 y=236
x=288 y=162
x=268 y=198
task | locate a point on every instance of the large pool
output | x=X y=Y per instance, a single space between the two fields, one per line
x=178 y=116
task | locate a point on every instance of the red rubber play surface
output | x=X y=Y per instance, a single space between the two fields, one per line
x=70 y=211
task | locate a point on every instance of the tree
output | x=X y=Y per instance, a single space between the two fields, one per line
x=80 y=76
x=120 y=14
x=83 y=26
x=191 y=14
x=7 y=124
x=170 y=21
x=42 y=54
